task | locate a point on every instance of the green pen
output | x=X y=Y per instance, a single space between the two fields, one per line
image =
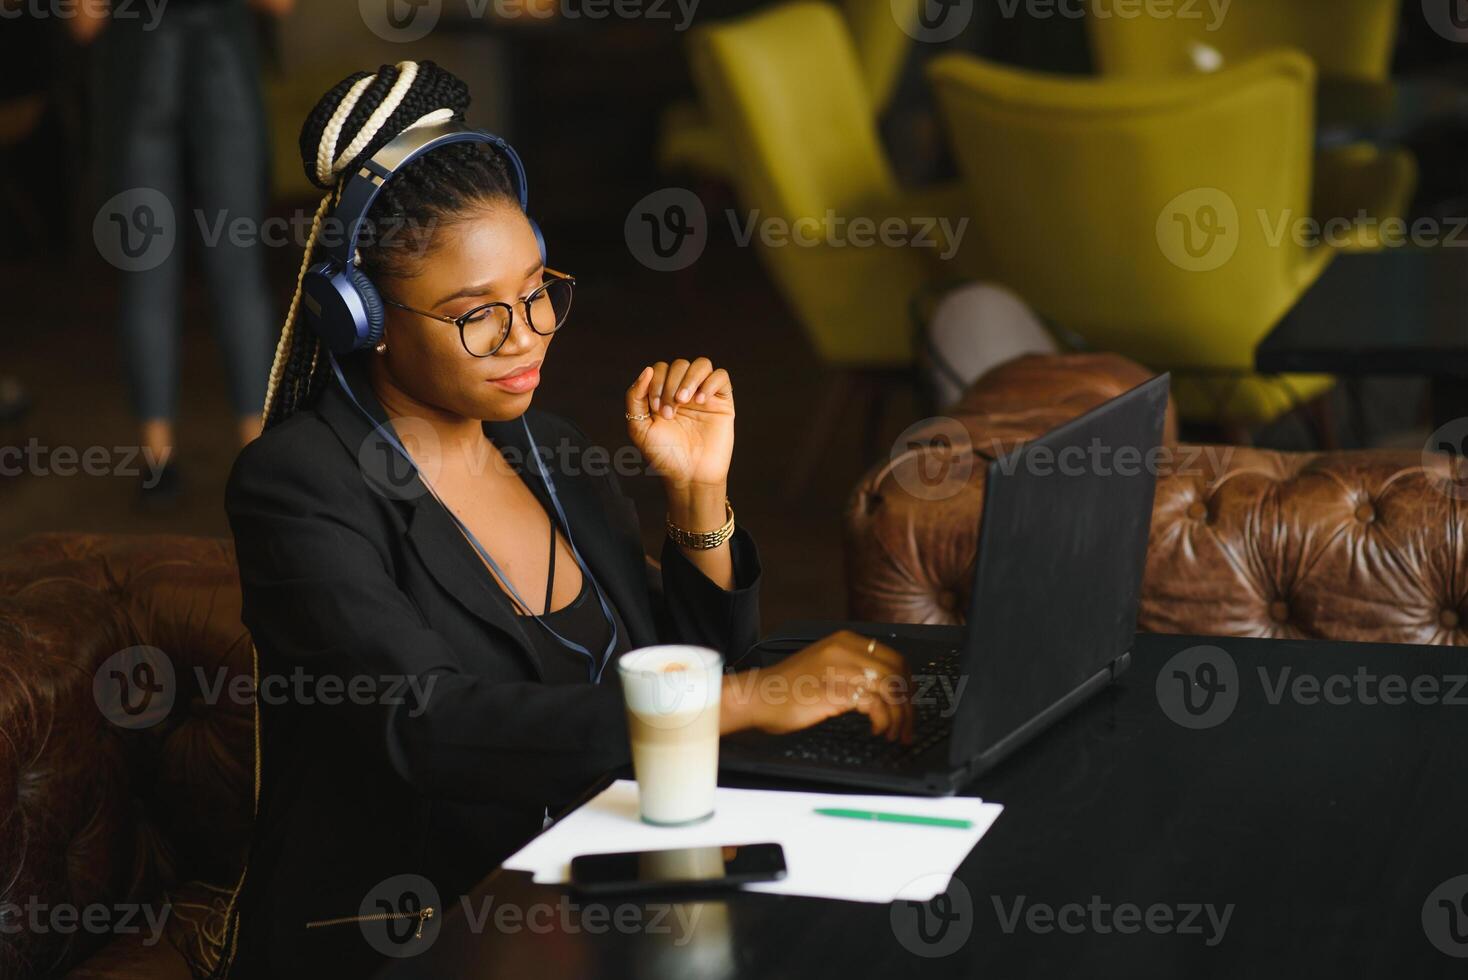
x=894 y=817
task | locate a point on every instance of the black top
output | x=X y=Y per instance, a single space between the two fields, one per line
x=453 y=738
x=581 y=621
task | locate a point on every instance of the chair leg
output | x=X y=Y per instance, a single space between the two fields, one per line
x=1236 y=434
x=1357 y=418
x=1319 y=414
x=875 y=392
x=823 y=428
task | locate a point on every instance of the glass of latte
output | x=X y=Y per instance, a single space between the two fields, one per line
x=672 y=695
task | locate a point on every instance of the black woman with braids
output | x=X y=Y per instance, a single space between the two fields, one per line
x=419 y=714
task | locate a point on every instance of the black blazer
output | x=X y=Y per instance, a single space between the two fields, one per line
x=355 y=574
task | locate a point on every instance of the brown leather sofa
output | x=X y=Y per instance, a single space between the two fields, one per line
x=107 y=819
x=1360 y=545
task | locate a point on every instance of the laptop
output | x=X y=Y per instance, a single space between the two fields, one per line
x=1052 y=614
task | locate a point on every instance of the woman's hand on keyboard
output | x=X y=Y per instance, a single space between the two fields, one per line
x=836 y=674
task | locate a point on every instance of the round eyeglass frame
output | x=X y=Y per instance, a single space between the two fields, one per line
x=463 y=318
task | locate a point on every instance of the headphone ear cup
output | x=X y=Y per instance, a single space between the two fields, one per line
x=372 y=305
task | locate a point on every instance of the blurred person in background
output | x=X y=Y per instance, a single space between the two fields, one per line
x=177 y=103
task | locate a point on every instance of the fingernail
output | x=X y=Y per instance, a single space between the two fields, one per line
x=701 y=398
x=655 y=403
x=667 y=411
x=682 y=394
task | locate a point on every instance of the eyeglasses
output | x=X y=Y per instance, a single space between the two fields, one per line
x=484 y=329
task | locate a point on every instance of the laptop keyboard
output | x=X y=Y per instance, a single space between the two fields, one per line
x=847 y=739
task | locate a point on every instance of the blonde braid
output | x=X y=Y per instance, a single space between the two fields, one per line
x=329 y=168
x=407 y=71
x=288 y=332
x=325 y=171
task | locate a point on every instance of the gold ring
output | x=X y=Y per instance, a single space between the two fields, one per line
x=635 y=418
x=871 y=646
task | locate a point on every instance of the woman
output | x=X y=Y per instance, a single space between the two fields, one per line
x=474 y=714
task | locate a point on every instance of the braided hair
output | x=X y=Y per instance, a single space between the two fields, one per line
x=359 y=116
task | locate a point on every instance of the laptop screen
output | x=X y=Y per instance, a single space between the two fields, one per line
x=1058 y=571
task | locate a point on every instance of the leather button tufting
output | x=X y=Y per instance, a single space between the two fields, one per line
x=1360 y=536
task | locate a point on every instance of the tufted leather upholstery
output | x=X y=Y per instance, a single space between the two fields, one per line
x=96 y=814
x=1366 y=545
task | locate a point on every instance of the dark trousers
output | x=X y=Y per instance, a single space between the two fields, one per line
x=183 y=154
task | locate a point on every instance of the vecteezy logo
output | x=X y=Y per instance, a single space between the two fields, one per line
x=389 y=472
x=1445 y=917
x=401 y=916
x=135 y=230
x=667 y=230
x=932 y=21
x=933 y=915
x=1199 y=229
x=1449 y=18
x=1199 y=687
x=400 y=21
x=135 y=688
x=933 y=459
x=1450 y=439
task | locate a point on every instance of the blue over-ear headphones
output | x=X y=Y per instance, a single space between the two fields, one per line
x=343 y=306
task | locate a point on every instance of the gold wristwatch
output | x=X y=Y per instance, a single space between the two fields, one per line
x=702 y=540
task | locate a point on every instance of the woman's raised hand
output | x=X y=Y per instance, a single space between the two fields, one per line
x=681 y=418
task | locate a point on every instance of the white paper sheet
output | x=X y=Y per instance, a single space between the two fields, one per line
x=827 y=857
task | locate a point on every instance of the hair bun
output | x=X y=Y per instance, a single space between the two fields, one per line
x=365 y=111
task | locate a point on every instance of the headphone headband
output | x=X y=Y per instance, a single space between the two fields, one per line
x=366 y=183
x=341 y=303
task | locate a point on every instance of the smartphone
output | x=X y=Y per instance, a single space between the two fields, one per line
x=677 y=868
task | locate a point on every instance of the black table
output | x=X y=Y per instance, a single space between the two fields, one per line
x=1350 y=111
x=1322 y=829
x=1399 y=311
